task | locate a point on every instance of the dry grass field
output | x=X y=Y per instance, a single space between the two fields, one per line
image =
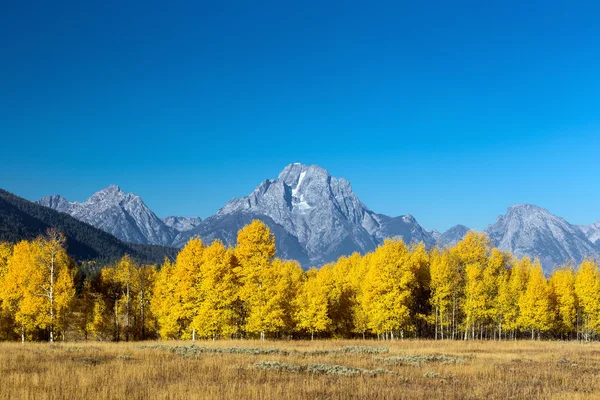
x=300 y=370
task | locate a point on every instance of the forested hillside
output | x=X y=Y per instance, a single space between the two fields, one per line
x=24 y=220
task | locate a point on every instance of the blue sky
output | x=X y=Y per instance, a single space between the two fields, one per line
x=451 y=111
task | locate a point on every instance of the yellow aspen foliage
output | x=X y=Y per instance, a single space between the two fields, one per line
x=99 y=325
x=255 y=247
x=341 y=288
x=254 y=252
x=441 y=290
x=271 y=305
x=494 y=275
x=123 y=277
x=360 y=318
x=510 y=293
x=562 y=285
x=38 y=285
x=163 y=302
x=419 y=261
x=474 y=250
x=6 y=318
x=217 y=313
x=143 y=287
x=505 y=301
x=312 y=304
x=187 y=274
x=389 y=289
x=587 y=289
x=534 y=305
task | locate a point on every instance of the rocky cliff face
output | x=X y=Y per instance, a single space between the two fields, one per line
x=528 y=230
x=121 y=214
x=317 y=218
x=182 y=224
x=452 y=236
x=321 y=212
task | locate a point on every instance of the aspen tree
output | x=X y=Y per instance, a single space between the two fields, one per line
x=511 y=292
x=143 y=286
x=217 y=294
x=360 y=318
x=6 y=318
x=389 y=289
x=163 y=302
x=124 y=277
x=312 y=304
x=473 y=250
x=341 y=290
x=587 y=289
x=534 y=304
x=254 y=251
x=562 y=285
x=38 y=285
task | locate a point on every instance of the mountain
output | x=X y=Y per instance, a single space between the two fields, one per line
x=528 y=230
x=452 y=236
x=24 y=220
x=121 y=214
x=182 y=224
x=315 y=217
x=592 y=232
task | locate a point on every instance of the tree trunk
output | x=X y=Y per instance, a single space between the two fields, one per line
x=436 y=323
x=127 y=316
x=51 y=296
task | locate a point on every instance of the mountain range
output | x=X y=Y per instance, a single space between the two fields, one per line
x=317 y=218
x=21 y=219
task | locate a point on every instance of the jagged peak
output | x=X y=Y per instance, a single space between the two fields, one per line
x=526 y=207
x=291 y=173
x=112 y=189
x=408 y=218
x=458 y=228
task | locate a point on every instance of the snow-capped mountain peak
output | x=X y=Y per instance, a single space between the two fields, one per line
x=319 y=211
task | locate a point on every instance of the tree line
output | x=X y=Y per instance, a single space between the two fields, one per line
x=465 y=292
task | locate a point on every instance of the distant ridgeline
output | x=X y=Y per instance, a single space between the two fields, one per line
x=24 y=220
x=468 y=291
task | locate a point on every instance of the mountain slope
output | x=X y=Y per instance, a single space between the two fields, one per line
x=452 y=236
x=528 y=230
x=314 y=216
x=182 y=224
x=592 y=232
x=121 y=214
x=21 y=219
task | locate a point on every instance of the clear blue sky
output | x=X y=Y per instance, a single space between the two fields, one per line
x=451 y=111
